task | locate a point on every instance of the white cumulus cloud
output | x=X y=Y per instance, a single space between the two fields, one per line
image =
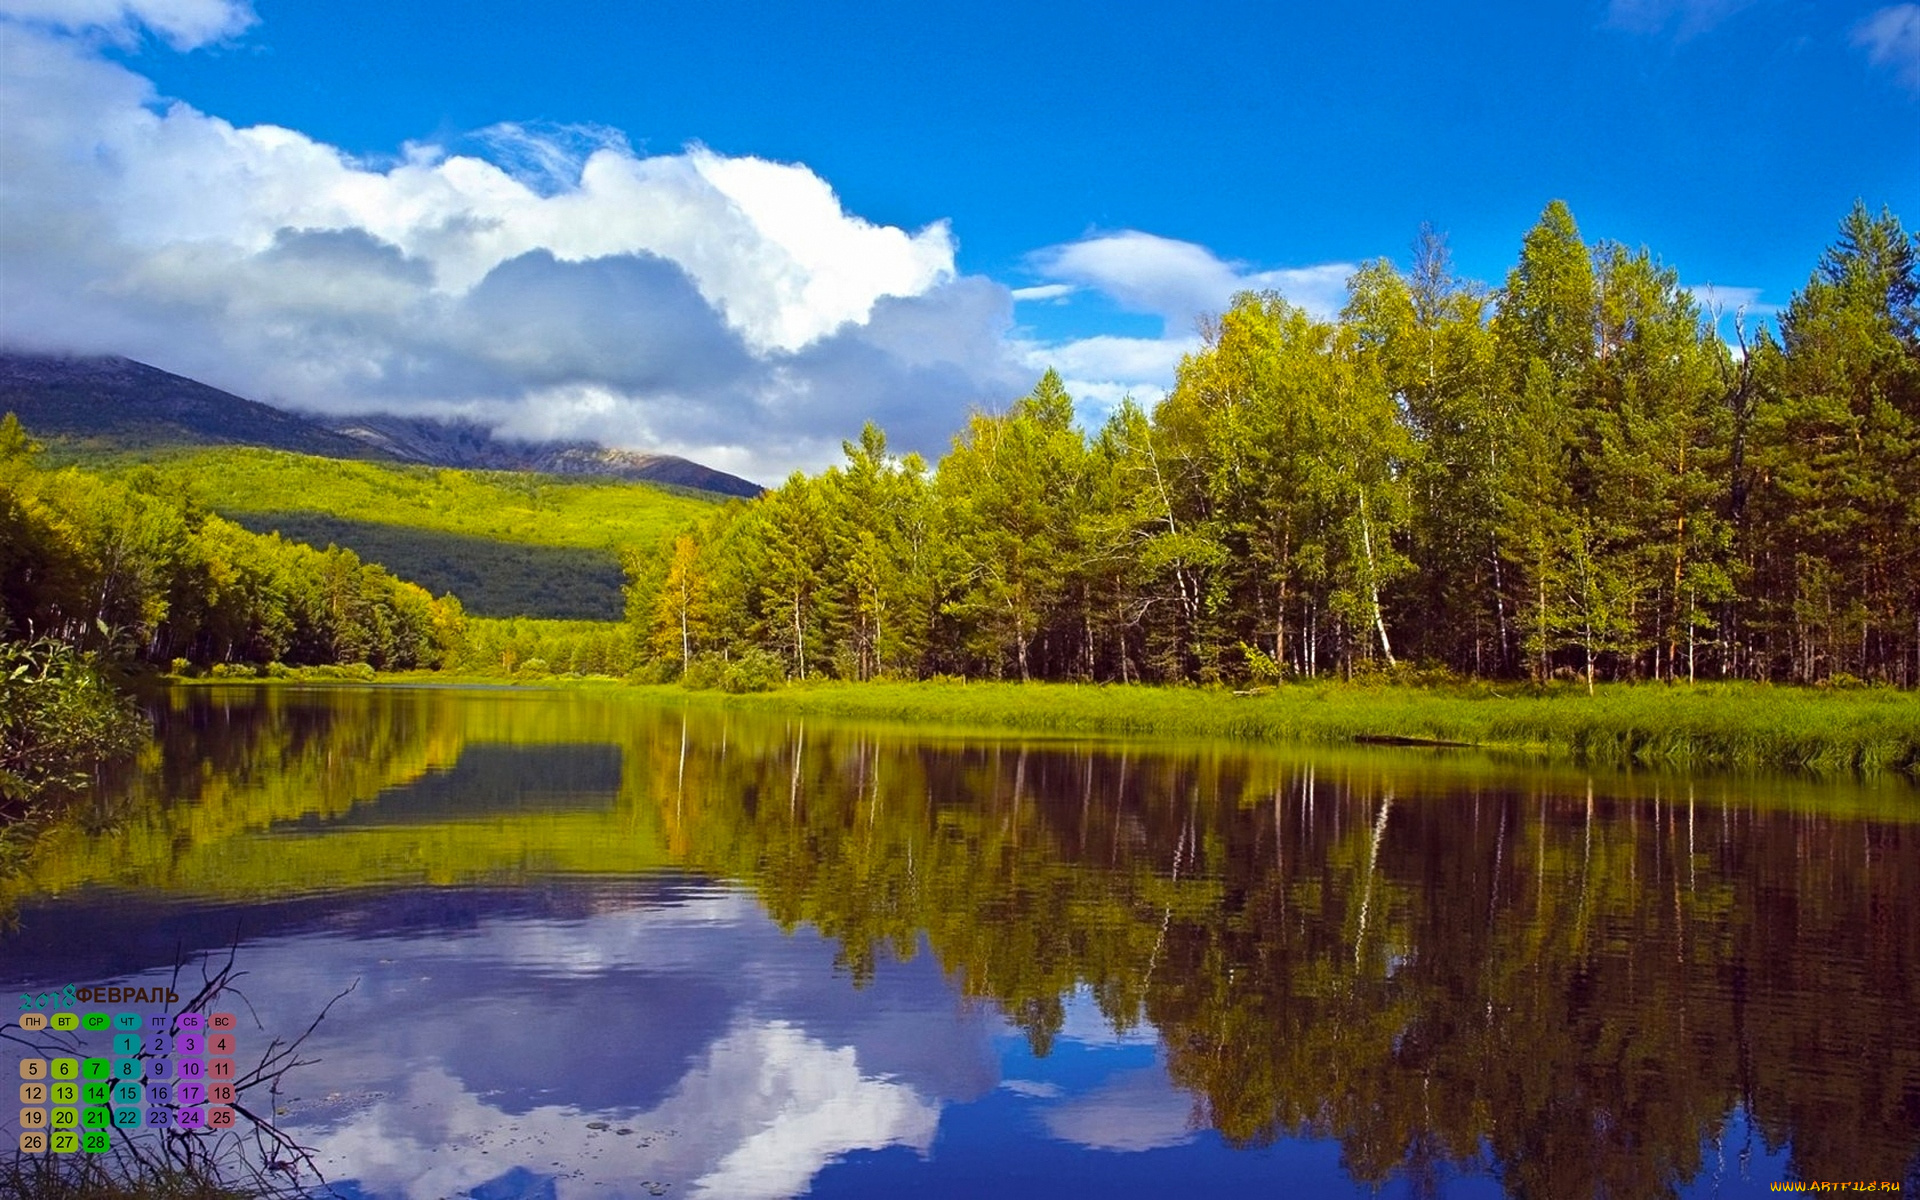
x=545 y=280
x=1891 y=38
x=727 y=308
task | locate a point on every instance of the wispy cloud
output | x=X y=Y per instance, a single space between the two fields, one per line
x=1053 y=292
x=1891 y=38
x=1682 y=19
x=185 y=24
x=545 y=156
x=1725 y=301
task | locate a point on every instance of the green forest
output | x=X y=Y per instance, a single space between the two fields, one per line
x=1579 y=474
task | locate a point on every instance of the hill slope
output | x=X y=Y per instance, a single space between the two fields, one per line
x=507 y=543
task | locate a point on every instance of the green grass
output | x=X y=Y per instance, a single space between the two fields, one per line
x=500 y=506
x=82 y=1177
x=1710 y=726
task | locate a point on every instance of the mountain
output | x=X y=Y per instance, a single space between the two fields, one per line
x=118 y=404
x=473 y=446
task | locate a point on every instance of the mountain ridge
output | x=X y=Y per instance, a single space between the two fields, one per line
x=117 y=403
x=472 y=446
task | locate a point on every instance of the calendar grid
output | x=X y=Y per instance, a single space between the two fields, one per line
x=122 y=1072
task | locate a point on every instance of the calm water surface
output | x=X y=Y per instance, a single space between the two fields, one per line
x=602 y=949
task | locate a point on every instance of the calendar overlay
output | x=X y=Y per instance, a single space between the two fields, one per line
x=91 y=1077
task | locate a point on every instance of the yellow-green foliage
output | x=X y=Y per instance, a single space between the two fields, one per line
x=527 y=648
x=135 y=568
x=500 y=505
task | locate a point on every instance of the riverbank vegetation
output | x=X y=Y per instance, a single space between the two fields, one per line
x=80 y=1177
x=1579 y=474
x=1717 y=726
x=58 y=717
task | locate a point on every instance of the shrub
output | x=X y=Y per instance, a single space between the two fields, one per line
x=704 y=672
x=753 y=670
x=57 y=717
x=655 y=671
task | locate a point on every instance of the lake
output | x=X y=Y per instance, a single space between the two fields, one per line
x=600 y=948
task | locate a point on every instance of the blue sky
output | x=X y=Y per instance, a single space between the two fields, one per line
x=981 y=189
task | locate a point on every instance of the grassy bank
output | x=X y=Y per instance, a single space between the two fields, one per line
x=1713 y=726
x=1718 y=726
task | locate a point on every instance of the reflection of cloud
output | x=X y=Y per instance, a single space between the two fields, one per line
x=1083 y=1022
x=480 y=1044
x=789 y=1104
x=758 y=1115
x=1133 y=1110
x=1037 y=1089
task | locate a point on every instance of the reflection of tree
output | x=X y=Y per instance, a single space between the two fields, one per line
x=1445 y=968
x=1571 y=989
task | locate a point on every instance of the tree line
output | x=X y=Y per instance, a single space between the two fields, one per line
x=1575 y=474
x=136 y=570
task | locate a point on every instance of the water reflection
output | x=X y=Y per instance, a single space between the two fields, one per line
x=1381 y=969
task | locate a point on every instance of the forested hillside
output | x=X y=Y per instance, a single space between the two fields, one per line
x=137 y=568
x=1577 y=473
x=507 y=543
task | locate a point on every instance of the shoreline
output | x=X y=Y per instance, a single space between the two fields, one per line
x=1702 y=726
